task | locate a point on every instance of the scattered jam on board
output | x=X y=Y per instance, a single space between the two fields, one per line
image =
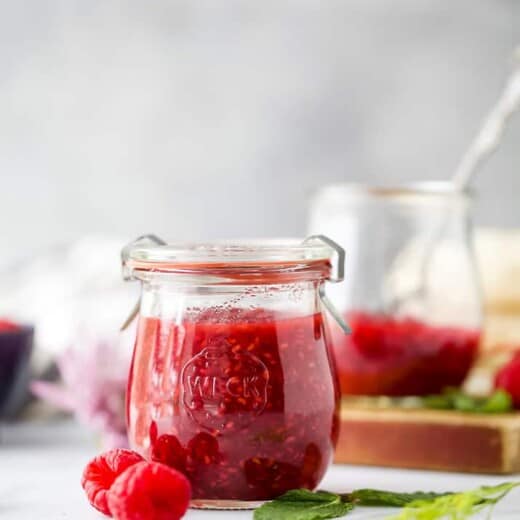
x=243 y=402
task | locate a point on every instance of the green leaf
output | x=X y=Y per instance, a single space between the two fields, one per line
x=380 y=498
x=453 y=399
x=437 y=402
x=301 y=504
x=499 y=402
x=455 y=506
x=465 y=403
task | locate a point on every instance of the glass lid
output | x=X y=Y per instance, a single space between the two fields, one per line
x=236 y=251
x=150 y=253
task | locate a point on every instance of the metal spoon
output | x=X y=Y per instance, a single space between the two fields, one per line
x=485 y=143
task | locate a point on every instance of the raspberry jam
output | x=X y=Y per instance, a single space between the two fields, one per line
x=232 y=380
x=244 y=402
x=389 y=356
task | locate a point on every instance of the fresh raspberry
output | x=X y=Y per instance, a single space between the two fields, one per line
x=100 y=473
x=8 y=326
x=508 y=379
x=168 y=450
x=149 y=491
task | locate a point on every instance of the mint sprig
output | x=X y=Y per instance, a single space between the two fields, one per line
x=499 y=401
x=301 y=504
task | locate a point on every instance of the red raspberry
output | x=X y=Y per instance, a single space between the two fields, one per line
x=508 y=379
x=168 y=450
x=203 y=449
x=100 y=473
x=149 y=491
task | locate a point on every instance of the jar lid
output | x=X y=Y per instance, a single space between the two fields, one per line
x=147 y=254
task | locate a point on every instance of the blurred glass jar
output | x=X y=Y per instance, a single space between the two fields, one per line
x=411 y=294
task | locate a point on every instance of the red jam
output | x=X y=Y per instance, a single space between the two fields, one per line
x=395 y=357
x=245 y=403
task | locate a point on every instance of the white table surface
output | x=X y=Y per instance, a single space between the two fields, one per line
x=41 y=465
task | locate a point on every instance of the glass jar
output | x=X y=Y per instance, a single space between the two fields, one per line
x=412 y=298
x=232 y=380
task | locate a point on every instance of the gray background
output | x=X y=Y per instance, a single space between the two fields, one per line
x=199 y=120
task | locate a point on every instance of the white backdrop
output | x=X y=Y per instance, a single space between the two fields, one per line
x=217 y=119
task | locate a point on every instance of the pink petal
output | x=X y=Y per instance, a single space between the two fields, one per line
x=54 y=394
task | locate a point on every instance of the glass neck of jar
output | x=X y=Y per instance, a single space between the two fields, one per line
x=254 y=275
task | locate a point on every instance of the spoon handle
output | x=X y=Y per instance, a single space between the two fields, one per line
x=488 y=138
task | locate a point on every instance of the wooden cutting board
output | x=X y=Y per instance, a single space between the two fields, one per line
x=443 y=440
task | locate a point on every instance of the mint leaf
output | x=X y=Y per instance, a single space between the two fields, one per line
x=380 y=498
x=456 y=506
x=465 y=403
x=301 y=504
x=499 y=402
x=453 y=399
x=437 y=402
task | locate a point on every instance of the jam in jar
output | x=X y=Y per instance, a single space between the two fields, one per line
x=232 y=381
x=401 y=356
x=412 y=298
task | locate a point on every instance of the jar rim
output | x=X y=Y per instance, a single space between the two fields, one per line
x=434 y=189
x=230 y=257
x=231 y=251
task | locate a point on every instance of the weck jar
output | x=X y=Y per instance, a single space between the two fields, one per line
x=232 y=381
x=413 y=297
